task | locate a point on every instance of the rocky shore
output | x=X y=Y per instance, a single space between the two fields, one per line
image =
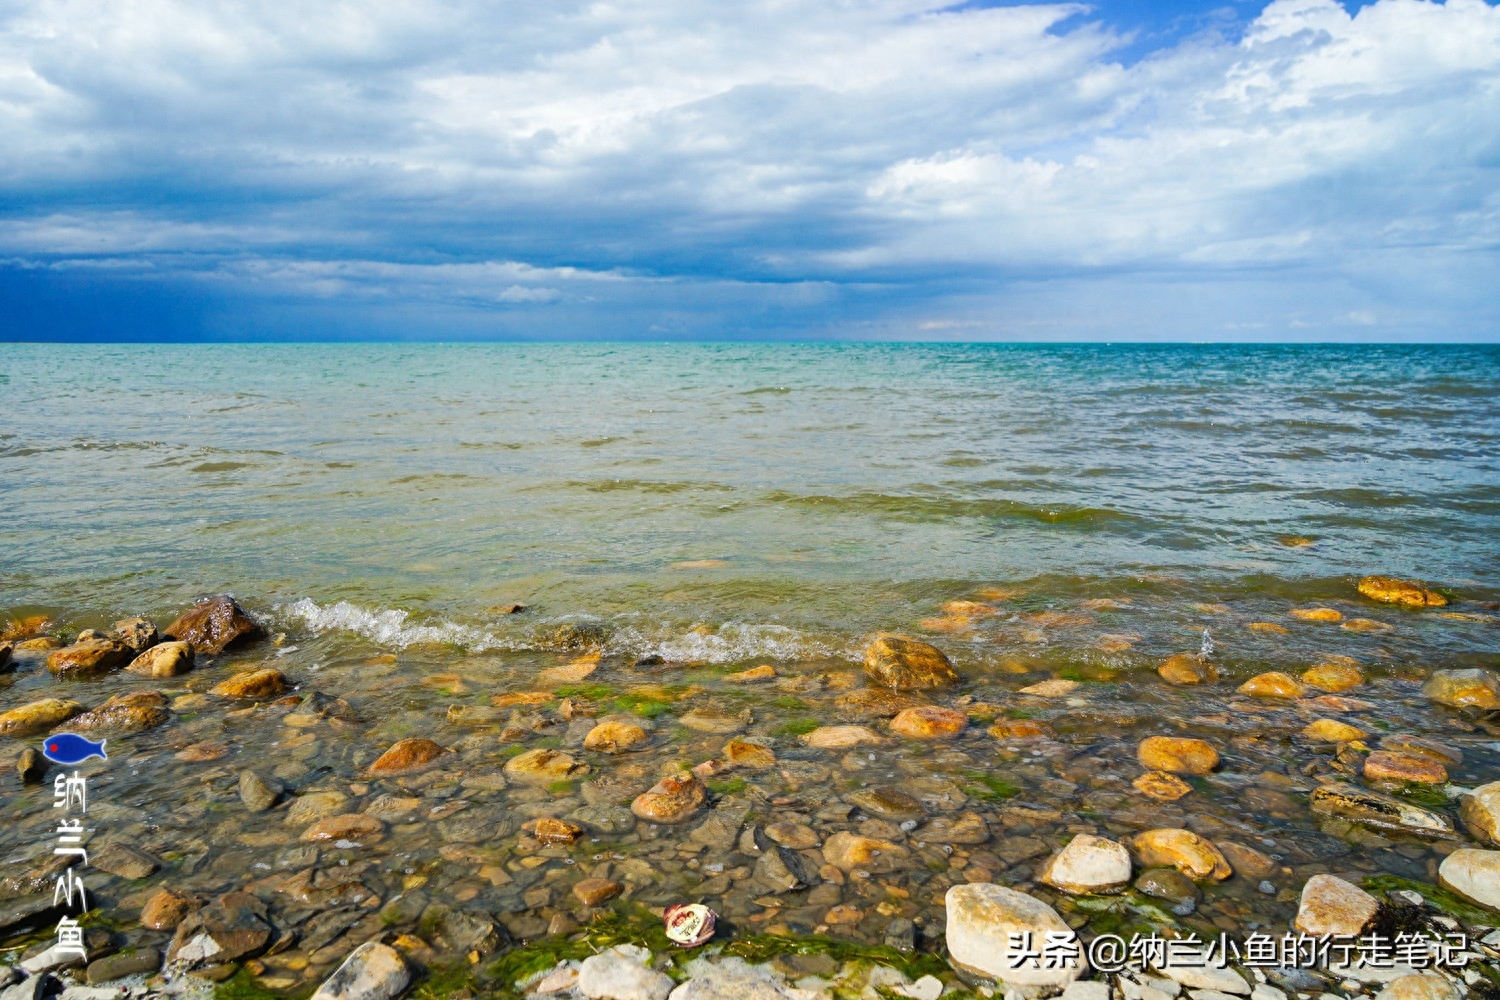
x=362 y=825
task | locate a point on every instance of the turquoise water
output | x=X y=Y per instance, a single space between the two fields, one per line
x=816 y=492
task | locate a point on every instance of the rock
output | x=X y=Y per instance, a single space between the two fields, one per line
x=1419 y=986
x=797 y=836
x=1420 y=746
x=733 y=978
x=1383 y=765
x=1055 y=687
x=232 y=927
x=543 y=767
x=1365 y=625
x=1171 y=885
x=965 y=828
x=165 y=910
x=1381 y=811
x=469 y=931
x=1202 y=968
x=902 y=664
x=125 y=713
x=613 y=736
x=780 y=869
x=1480 y=812
x=929 y=722
x=215 y=625
x=314 y=805
x=125 y=861
x=118 y=966
x=1089 y=864
x=673 y=799
x=1334 y=908
x=1273 y=684
x=604 y=818
x=874 y=703
x=754 y=675
x=373 y=971
x=550 y=830
x=37 y=717
x=1389 y=590
x=1177 y=755
x=42 y=987
x=839 y=737
x=257 y=793
x=407 y=754
x=1333 y=677
x=88 y=658
x=1184 y=850
x=1161 y=786
x=1473 y=874
x=887 y=802
x=1332 y=731
x=39 y=643
x=355 y=828
x=136 y=634
x=1461 y=688
x=1316 y=614
x=851 y=852
x=165 y=659
x=593 y=891
x=1018 y=729
x=267 y=682
x=622 y=973
x=1187 y=668
x=753 y=756
x=31 y=766
x=1247 y=862
x=707 y=719
x=7 y=665
x=982 y=918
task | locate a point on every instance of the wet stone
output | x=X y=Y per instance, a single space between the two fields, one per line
x=594 y=891
x=780 y=870
x=1273 y=684
x=233 y=926
x=1475 y=687
x=887 y=802
x=89 y=658
x=373 y=971
x=118 y=966
x=605 y=819
x=673 y=799
x=929 y=722
x=1384 y=765
x=1177 y=755
x=544 y=767
x=902 y=664
x=166 y=909
x=1161 y=786
x=215 y=625
x=124 y=861
x=965 y=828
x=1184 y=850
x=1376 y=810
x=1187 y=668
x=1390 y=590
x=1333 y=907
x=257 y=793
x=1480 y=812
x=840 y=737
x=352 y=828
x=613 y=736
x=851 y=852
x=1169 y=884
x=266 y=682
x=406 y=755
x=136 y=634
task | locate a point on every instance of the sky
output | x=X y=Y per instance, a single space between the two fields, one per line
x=768 y=169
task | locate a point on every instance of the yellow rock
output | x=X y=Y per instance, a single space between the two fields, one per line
x=1333 y=677
x=1177 y=755
x=1332 y=731
x=1390 y=590
x=929 y=722
x=1187 y=668
x=1113 y=642
x=614 y=735
x=1018 y=729
x=568 y=673
x=1271 y=627
x=903 y=664
x=673 y=799
x=839 y=737
x=1365 y=625
x=1317 y=614
x=1273 y=684
x=1194 y=856
x=1053 y=688
x=973 y=609
x=543 y=766
x=263 y=683
x=743 y=753
x=752 y=676
x=37 y=717
x=1161 y=786
x=1385 y=765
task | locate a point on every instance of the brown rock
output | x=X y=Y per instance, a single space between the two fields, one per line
x=709 y=719
x=1474 y=686
x=542 y=767
x=553 y=831
x=88 y=658
x=136 y=633
x=593 y=891
x=24 y=628
x=357 y=827
x=1338 y=703
x=1333 y=677
x=673 y=799
x=1383 y=765
x=37 y=717
x=165 y=659
x=839 y=737
x=1161 y=786
x=1389 y=590
x=1273 y=684
x=1331 y=907
x=754 y=675
x=1317 y=614
x=874 y=703
x=1247 y=862
x=1365 y=625
x=407 y=754
x=1270 y=627
x=850 y=852
x=903 y=664
x=267 y=682
x=743 y=753
x=964 y=828
x=1177 y=755
x=125 y=713
x=1421 y=746
x=1184 y=850
x=613 y=736
x=1332 y=731
x=1187 y=668
x=233 y=926
x=1019 y=729
x=40 y=642
x=167 y=908
x=929 y=722
x=215 y=625
x=1055 y=687
x=796 y=836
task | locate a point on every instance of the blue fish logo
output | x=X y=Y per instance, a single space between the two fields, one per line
x=70 y=748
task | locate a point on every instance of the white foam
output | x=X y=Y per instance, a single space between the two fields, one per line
x=388 y=627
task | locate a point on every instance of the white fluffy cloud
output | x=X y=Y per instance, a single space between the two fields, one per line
x=944 y=166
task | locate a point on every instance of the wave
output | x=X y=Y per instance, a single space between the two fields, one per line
x=388 y=627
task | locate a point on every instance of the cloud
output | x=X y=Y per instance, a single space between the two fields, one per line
x=895 y=165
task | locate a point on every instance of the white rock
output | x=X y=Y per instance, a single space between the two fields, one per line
x=564 y=977
x=1473 y=874
x=1141 y=991
x=736 y=979
x=1364 y=973
x=1334 y=908
x=622 y=973
x=1086 y=990
x=47 y=961
x=1419 y=986
x=1088 y=864
x=981 y=918
x=927 y=988
x=373 y=971
x=1210 y=995
x=1265 y=992
x=1197 y=973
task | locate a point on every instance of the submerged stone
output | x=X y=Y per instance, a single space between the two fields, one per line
x=1194 y=856
x=266 y=682
x=1390 y=590
x=1177 y=755
x=903 y=664
x=1474 y=686
x=1088 y=864
x=407 y=754
x=1381 y=811
x=88 y=658
x=673 y=799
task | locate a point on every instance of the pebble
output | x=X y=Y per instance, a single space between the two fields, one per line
x=1473 y=874
x=1194 y=856
x=840 y=737
x=406 y=755
x=622 y=973
x=214 y=625
x=673 y=799
x=753 y=756
x=543 y=766
x=1273 y=684
x=257 y=793
x=1333 y=907
x=1161 y=786
x=357 y=828
x=593 y=891
x=373 y=971
x=1088 y=864
x=267 y=682
x=1419 y=986
x=167 y=659
x=850 y=852
x=929 y=722
x=1480 y=812
x=981 y=920
x=614 y=736
x=1334 y=676
x=166 y=909
x=1332 y=731
x=1177 y=755
x=1187 y=668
